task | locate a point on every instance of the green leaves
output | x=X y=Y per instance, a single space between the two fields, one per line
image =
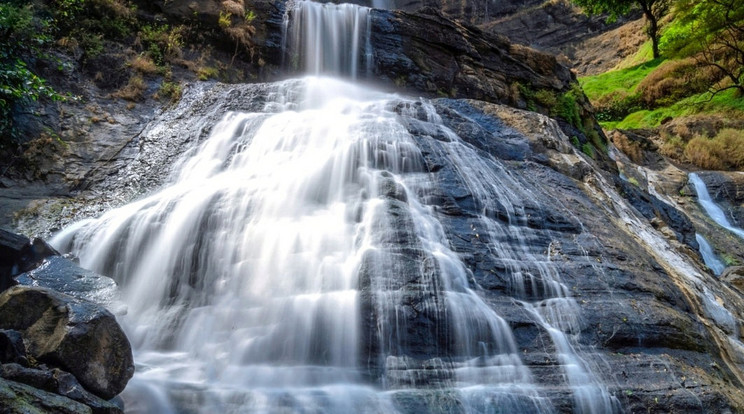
x=23 y=36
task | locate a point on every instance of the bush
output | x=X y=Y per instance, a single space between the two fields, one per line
x=170 y=90
x=143 y=64
x=722 y=152
x=675 y=80
x=616 y=105
x=163 y=44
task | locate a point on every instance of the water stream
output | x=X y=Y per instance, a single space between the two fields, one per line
x=293 y=261
x=711 y=208
x=709 y=256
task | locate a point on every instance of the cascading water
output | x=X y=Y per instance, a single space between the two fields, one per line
x=711 y=208
x=329 y=39
x=709 y=257
x=294 y=261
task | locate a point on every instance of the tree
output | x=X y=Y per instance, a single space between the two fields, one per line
x=713 y=31
x=653 y=10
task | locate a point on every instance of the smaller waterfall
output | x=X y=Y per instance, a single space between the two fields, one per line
x=329 y=39
x=711 y=208
x=709 y=257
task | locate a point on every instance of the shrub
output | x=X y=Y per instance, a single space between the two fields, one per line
x=225 y=19
x=675 y=80
x=673 y=147
x=588 y=149
x=724 y=151
x=171 y=90
x=163 y=44
x=143 y=64
x=629 y=147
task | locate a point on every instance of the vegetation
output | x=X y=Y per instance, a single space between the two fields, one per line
x=701 y=74
x=38 y=36
x=725 y=151
x=653 y=10
x=713 y=31
x=22 y=34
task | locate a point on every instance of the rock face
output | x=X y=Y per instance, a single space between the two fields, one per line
x=459 y=61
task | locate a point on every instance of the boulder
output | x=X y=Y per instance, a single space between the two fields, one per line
x=17 y=398
x=19 y=254
x=73 y=334
x=59 y=382
x=63 y=275
x=11 y=248
x=12 y=348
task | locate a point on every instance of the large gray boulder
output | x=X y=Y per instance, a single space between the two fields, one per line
x=75 y=335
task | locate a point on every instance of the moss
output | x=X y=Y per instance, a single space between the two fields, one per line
x=575 y=141
x=170 y=90
x=588 y=149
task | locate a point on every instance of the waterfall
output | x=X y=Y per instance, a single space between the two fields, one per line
x=709 y=257
x=326 y=38
x=711 y=208
x=296 y=261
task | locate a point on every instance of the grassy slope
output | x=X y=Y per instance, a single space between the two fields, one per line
x=625 y=81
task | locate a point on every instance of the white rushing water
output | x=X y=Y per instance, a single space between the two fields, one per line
x=278 y=268
x=709 y=257
x=711 y=208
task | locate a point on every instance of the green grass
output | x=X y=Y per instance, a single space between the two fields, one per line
x=723 y=103
x=619 y=80
x=644 y=54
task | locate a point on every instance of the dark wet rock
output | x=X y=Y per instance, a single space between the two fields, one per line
x=63 y=275
x=60 y=383
x=654 y=209
x=456 y=60
x=75 y=335
x=18 y=398
x=12 y=348
x=11 y=246
x=19 y=254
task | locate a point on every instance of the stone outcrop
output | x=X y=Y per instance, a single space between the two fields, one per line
x=59 y=352
x=460 y=61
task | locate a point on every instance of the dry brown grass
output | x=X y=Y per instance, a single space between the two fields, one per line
x=119 y=8
x=674 y=80
x=143 y=64
x=723 y=152
x=629 y=147
x=134 y=89
x=234 y=7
